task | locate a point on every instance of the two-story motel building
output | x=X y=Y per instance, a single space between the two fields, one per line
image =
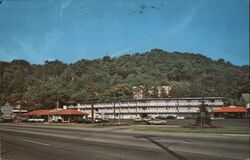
x=130 y=109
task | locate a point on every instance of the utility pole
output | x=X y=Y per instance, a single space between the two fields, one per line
x=203 y=113
x=177 y=106
x=114 y=110
x=119 y=112
x=91 y=93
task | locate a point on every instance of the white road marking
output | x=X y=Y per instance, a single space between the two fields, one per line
x=39 y=143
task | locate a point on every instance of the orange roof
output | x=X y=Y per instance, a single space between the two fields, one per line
x=38 y=112
x=55 y=112
x=230 y=109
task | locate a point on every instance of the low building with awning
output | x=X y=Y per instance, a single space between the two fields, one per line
x=230 y=112
x=57 y=115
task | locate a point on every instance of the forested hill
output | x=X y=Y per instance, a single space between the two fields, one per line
x=188 y=75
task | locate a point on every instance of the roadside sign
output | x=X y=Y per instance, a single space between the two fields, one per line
x=6 y=111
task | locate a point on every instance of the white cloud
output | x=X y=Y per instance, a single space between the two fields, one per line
x=184 y=22
x=134 y=46
x=178 y=28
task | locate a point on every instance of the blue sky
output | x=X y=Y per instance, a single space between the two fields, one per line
x=70 y=30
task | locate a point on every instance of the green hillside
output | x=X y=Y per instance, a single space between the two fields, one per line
x=188 y=74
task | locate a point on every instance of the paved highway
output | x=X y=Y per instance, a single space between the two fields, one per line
x=24 y=142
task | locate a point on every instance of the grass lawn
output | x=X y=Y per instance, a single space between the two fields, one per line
x=228 y=130
x=157 y=128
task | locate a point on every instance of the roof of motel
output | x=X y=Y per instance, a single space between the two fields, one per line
x=56 y=112
x=231 y=109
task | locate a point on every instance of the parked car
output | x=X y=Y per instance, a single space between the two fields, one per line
x=180 y=117
x=166 y=117
x=161 y=117
x=171 y=117
x=36 y=120
x=138 y=120
x=148 y=118
x=101 y=120
x=96 y=120
x=156 y=122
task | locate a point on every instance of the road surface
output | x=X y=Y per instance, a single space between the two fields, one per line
x=25 y=142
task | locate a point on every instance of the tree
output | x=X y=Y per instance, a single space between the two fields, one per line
x=121 y=91
x=188 y=74
x=203 y=119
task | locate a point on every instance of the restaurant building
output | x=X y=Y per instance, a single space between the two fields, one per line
x=56 y=115
x=230 y=112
